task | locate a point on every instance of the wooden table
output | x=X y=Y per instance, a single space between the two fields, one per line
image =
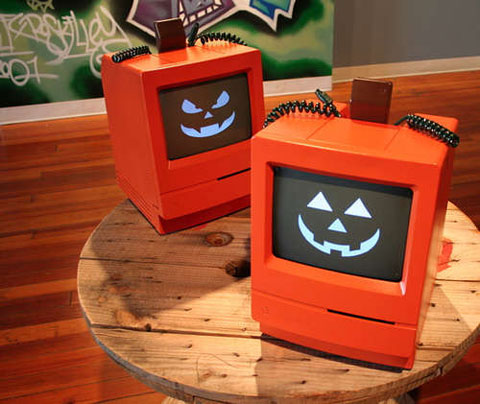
x=165 y=308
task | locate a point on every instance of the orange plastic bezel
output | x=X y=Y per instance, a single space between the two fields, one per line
x=354 y=316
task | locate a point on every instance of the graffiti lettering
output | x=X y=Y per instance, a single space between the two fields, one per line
x=42 y=5
x=20 y=71
x=54 y=42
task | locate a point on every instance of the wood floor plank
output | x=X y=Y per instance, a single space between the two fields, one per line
x=41 y=309
x=38 y=270
x=52 y=362
x=56 y=158
x=30 y=132
x=44 y=346
x=78 y=215
x=41 y=204
x=37 y=252
x=38 y=289
x=120 y=390
x=15 y=135
x=42 y=331
x=61 y=180
x=469 y=395
x=96 y=368
x=45 y=238
x=147 y=398
x=36 y=172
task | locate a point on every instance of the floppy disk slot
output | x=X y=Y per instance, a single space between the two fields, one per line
x=233 y=174
x=360 y=317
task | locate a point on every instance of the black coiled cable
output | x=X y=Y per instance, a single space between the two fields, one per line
x=211 y=36
x=130 y=53
x=328 y=108
x=434 y=129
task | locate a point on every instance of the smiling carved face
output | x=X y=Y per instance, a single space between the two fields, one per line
x=340 y=224
x=336 y=228
x=205 y=116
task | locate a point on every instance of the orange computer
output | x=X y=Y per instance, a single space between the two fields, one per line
x=347 y=222
x=181 y=123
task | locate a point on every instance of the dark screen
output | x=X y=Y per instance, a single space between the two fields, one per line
x=206 y=116
x=342 y=225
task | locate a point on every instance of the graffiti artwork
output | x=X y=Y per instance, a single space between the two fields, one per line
x=62 y=38
x=206 y=12
x=50 y=50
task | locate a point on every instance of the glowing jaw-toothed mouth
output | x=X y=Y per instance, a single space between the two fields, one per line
x=327 y=247
x=210 y=130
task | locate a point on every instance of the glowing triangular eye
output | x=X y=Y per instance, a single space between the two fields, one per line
x=222 y=100
x=358 y=208
x=320 y=202
x=190 y=108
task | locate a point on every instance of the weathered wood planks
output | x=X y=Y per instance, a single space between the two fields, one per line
x=163 y=307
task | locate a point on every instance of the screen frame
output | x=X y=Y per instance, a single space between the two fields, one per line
x=284 y=176
x=391 y=301
x=166 y=94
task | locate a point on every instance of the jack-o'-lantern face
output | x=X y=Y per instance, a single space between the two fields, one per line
x=205 y=116
x=340 y=224
x=337 y=228
x=216 y=118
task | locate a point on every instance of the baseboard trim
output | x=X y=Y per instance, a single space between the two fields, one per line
x=96 y=106
x=296 y=86
x=54 y=110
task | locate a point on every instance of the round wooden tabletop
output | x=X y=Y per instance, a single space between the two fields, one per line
x=168 y=310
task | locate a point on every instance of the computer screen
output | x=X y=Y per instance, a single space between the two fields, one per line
x=344 y=225
x=206 y=116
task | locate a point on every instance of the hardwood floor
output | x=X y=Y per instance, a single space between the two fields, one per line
x=57 y=183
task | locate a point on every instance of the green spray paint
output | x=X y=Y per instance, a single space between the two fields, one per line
x=52 y=52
